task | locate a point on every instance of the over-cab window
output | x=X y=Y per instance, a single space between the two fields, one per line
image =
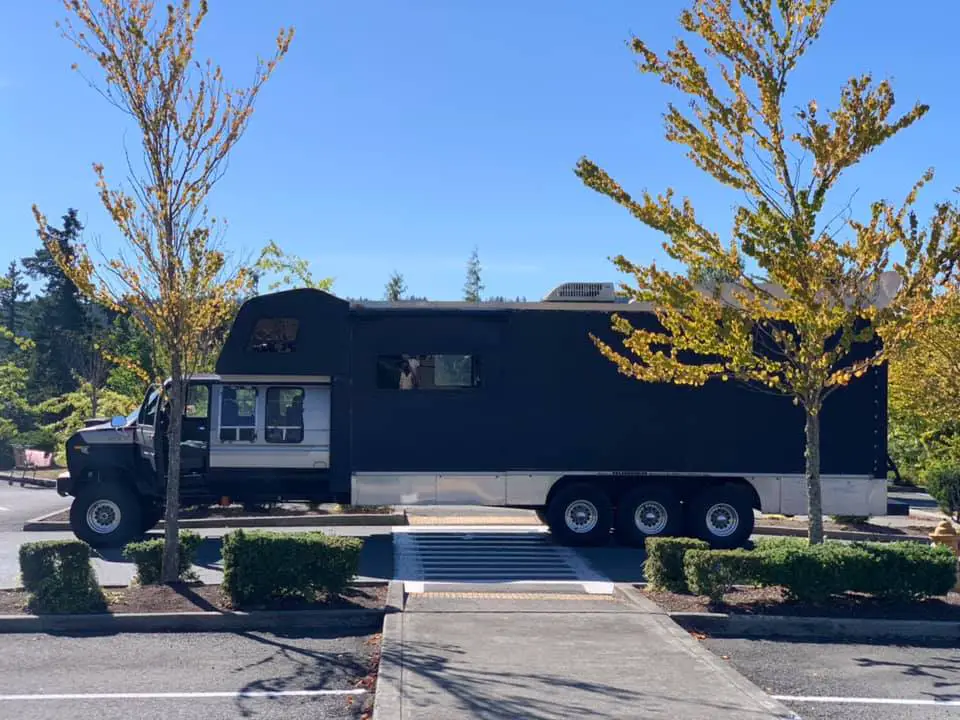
x=274 y=335
x=238 y=414
x=427 y=372
x=284 y=415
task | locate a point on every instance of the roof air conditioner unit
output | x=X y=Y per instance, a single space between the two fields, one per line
x=582 y=292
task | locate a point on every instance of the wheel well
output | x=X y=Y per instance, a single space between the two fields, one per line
x=686 y=486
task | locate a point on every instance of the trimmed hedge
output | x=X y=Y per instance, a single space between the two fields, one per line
x=714 y=572
x=664 y=564
x=899 y=571
x=262 y=566
x=59 y=578
x=147 y=555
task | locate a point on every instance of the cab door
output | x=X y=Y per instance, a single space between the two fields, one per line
x=195 y=433
x=146 y=432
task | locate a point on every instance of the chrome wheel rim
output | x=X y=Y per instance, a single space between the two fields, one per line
x=722 y=519
x=581 y=516
x=103 y=517
x=651 y=517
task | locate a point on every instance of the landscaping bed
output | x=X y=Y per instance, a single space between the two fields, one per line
x=239 y=511
x=194 y=597
x=773 y=601
x=918 y=526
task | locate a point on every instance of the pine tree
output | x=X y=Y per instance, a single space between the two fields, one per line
x=395 y=288
x=474 y=284
x=59 y=313
x=13 y=293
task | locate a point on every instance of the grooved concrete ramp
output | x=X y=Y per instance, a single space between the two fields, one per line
x=476 y=656
x=511 y=559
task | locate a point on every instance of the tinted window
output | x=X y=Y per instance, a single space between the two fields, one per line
x=198 y=402
x=427 y=372
x=238 y=414
x=274 y=335
x=148 y=415
x=284 y=422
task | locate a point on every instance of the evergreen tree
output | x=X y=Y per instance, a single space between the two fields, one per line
x=60 y=314
x=395 y=288
x=474 y=284
x=13 y=293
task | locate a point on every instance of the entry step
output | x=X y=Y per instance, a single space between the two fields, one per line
x=461 y=559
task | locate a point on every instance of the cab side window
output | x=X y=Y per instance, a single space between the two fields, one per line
x=284 y=422
x=148 y=415
x=238 y=414
x=198 y=402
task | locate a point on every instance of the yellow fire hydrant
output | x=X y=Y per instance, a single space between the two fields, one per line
x=946 y=534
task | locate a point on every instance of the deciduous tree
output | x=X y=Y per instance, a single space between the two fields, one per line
x=286 y=271
x=805 y=333
x=172 y=276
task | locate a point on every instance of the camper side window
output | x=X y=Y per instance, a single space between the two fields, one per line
x=427 y=372
x=238 y=414
x=284 y=415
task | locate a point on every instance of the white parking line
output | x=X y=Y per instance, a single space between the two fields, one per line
x=867 y=701
x=4 y=509
x=239 y=694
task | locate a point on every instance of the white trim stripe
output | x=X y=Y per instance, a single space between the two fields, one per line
x=238 y=694
x=929 y=702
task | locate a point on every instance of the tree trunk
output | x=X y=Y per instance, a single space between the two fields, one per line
x=814 y=492
x=94 y=402
x=170 y=570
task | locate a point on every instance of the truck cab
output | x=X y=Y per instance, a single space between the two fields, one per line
x=252 y=440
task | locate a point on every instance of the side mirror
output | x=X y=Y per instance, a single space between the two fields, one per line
x=118 y=421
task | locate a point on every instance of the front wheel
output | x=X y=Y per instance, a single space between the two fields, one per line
x=580 y=514
x=106 y=515
x=722 y=515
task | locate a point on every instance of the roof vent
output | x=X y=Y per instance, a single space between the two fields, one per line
x=582 y=292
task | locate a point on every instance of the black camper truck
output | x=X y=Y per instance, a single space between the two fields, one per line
x=318 y=399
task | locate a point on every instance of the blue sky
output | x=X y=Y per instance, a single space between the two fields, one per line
x=399 y=134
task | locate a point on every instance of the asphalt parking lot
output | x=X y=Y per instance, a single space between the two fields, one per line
x=200 y=675
x=840 y=681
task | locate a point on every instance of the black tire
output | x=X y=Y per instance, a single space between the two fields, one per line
x=102 y=503
x=150 y=515
x=648 y=512
x=584 y=503
x=722 y=515
x=542 y=516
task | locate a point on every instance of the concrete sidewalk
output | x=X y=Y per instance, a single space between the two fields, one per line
x=500 y=656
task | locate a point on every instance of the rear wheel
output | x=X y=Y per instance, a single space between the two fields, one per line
x=106 y=515
x=580 y=514
x=648 y=512
x=722 y=515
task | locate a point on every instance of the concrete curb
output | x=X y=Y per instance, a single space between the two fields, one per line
x=191 y=622
x=40 y=524
x=39 y=482
x=758 y=626
x=388 y=702
x=838 y=534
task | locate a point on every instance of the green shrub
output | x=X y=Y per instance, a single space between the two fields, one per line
x=664 y=565
x=714 y=572
x=59 y=578
x=261 y=566
x=906 y=570
x=896 y=571
x=942 y=479
x=147 y=555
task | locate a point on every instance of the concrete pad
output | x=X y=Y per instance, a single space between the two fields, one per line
x=540 y=666
x=539 y=659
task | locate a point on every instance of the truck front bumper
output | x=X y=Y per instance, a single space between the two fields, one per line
x=64 y=484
